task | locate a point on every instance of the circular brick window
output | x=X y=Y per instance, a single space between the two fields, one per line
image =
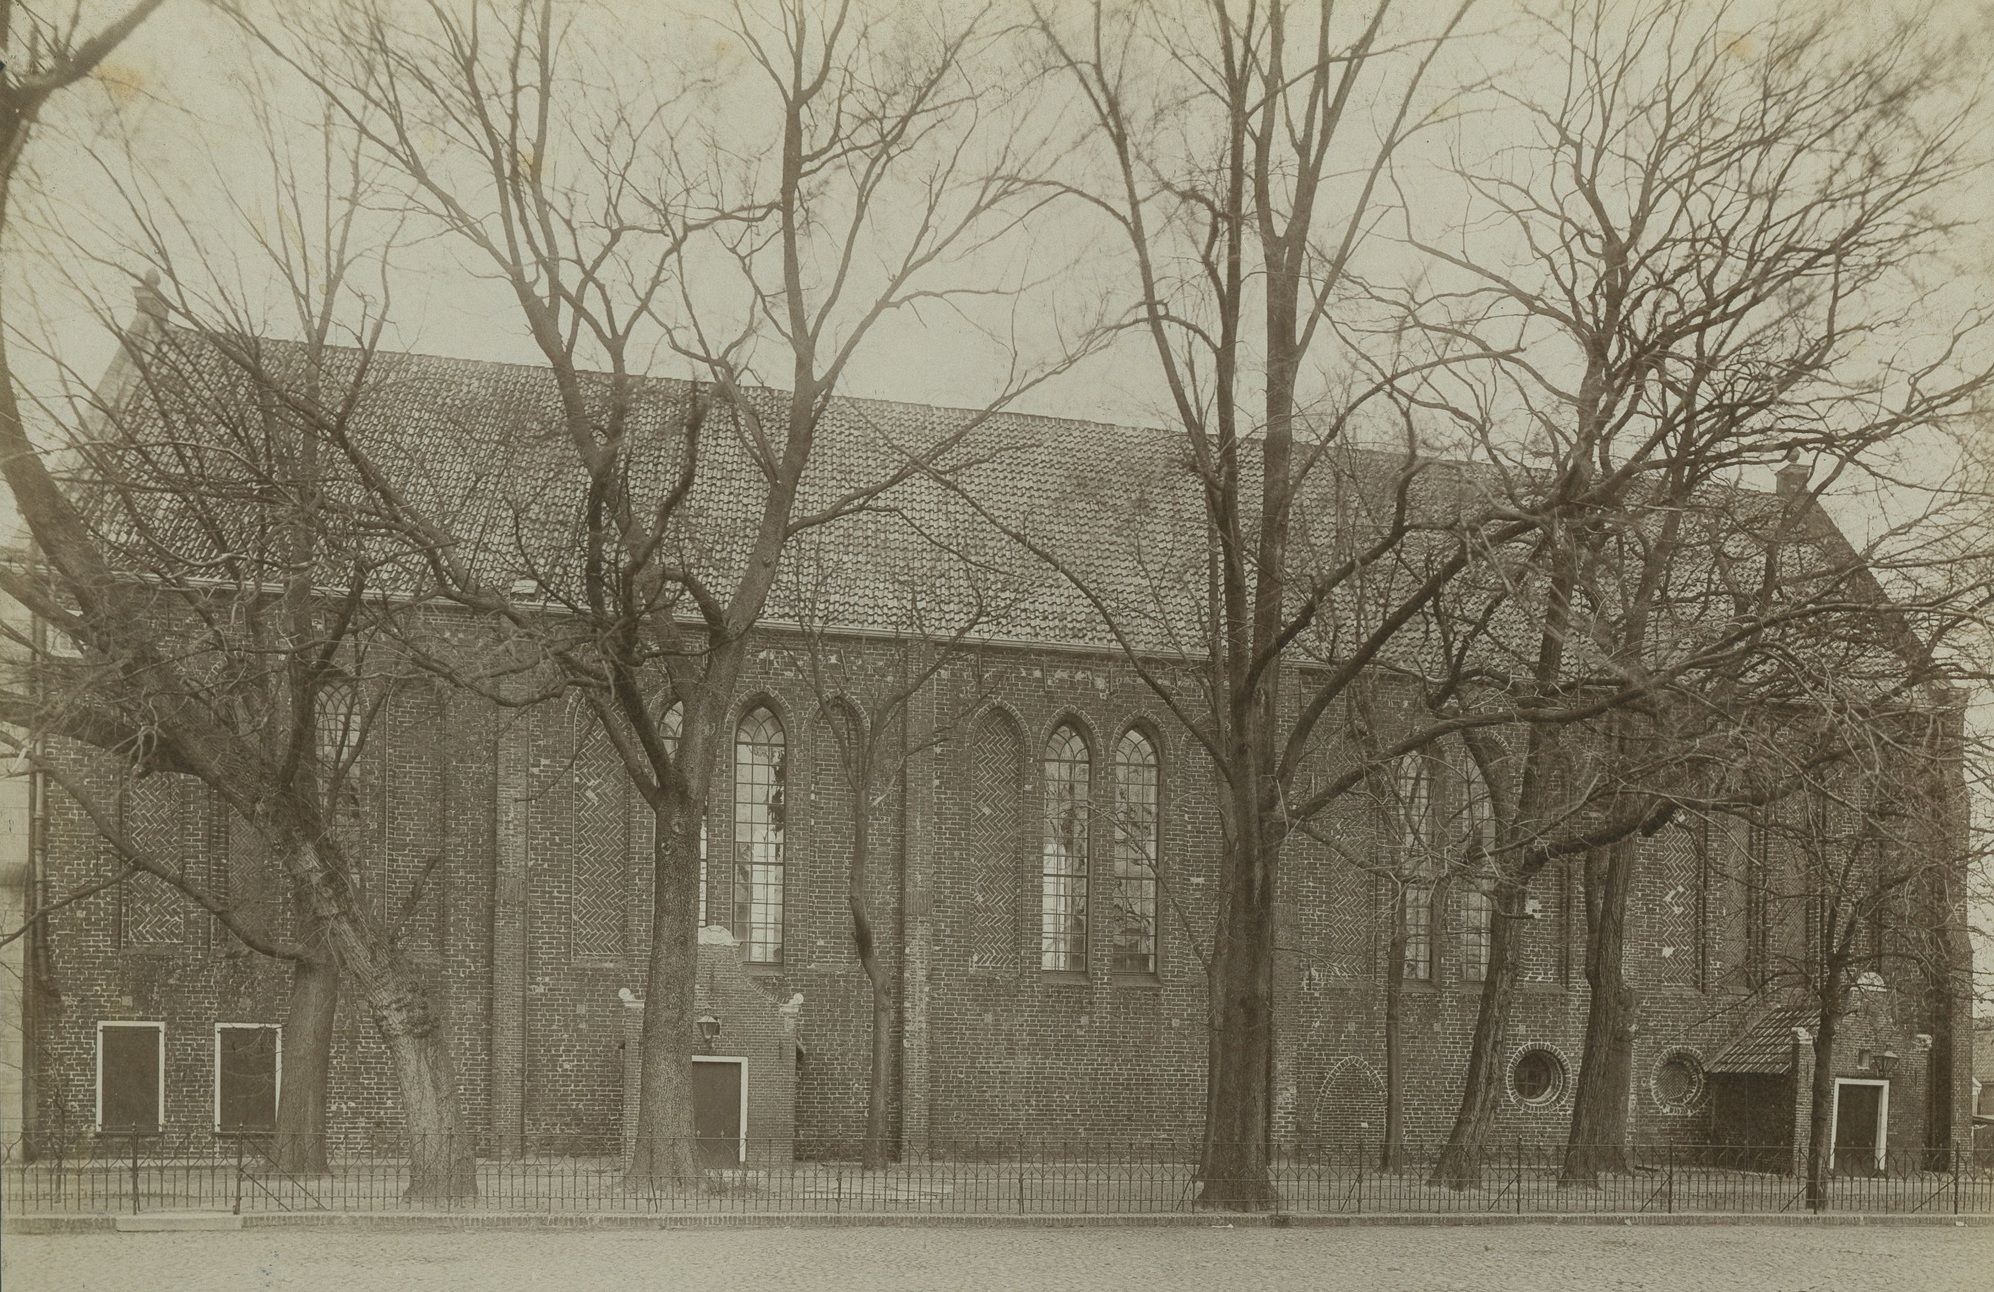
x=1538 y=1077
x=1678 y=1081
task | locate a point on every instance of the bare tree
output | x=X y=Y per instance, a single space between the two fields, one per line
x=846 y=183
x=1237 y=164
x=1246 y=159
x=1710 y=245
x=162 y=645
x=1855 y=881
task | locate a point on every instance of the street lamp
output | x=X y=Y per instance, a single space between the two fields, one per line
x=709 y=1028
x=1885 y=1063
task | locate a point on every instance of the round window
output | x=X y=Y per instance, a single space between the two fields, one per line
x=1538 y=1077
x=1678 y=1081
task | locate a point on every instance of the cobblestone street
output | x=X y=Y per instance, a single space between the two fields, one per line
x=1376 y=1259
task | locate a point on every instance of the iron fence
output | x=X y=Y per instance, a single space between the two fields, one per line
x=118 y=1173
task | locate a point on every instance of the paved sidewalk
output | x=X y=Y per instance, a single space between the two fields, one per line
x=1529 y=1258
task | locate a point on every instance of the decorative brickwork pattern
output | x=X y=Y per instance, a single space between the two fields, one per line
x=153 y=913
x=248 y=880
x=995 y=821
x=1673 y=864
x=597 y=882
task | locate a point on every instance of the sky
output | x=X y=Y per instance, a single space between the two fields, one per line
x=173 y=99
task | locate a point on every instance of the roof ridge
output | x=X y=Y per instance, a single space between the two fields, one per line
x=196 y=334
x=858 y=402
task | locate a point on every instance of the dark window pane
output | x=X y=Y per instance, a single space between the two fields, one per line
x=131 y=1078
x=248 y=1078
x=1538 y=1077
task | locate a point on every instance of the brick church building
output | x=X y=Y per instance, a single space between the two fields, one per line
x=1043 y=886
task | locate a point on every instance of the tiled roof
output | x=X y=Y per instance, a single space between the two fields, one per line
x=481 y=446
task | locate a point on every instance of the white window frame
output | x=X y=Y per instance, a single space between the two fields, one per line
x=158 y=1027
x=741 y=1150
x=277 y=1094
x=1882 y=1114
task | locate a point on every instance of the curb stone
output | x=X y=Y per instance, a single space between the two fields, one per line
x=418 y=1222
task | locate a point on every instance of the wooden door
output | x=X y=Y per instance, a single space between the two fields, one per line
x=1858 y=1118
x=716 y=1111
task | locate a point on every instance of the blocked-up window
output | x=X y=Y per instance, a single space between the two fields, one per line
x=154 y=816
x=760 y=770
x=597 y=885
x=1063 y=858
x=248 y=1059
x=130 y=1077
x=997 y=814
x=1758 y=902
x=1136 y=844
x=1672 y=910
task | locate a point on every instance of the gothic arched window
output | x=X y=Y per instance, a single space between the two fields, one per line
x=1063 y=868
x=1137 y=836
x=760 y=766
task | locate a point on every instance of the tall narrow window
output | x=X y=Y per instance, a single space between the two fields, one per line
x=1416 y=909
x=344 y=767
x=1419 y=865
x=760 y=768
x=1136 y=839
x=1883 y=895
x=246 y=1077
x=1063 y=868
x=670 y=727
x=1758 y=902
x=1472 y=837
x=996 y=841
x=1470 y=848
x=597 y=886
x=1477 y=931
x=131 y=1077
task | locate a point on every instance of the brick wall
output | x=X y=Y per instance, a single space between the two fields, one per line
x=481 y=806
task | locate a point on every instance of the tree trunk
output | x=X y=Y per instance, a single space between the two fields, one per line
x=663 y=1156
x=1392 y=1152
x=1820 y=1144
x=1233 y=1172
x=879 y=1088
x=442 y=1167
x=1598 y=1138
x=1460 y=1163
x=442 y=1164
x=878 y=1148
x=300 y=1147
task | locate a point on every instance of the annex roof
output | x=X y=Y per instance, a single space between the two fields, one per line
x=1765 y=1048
